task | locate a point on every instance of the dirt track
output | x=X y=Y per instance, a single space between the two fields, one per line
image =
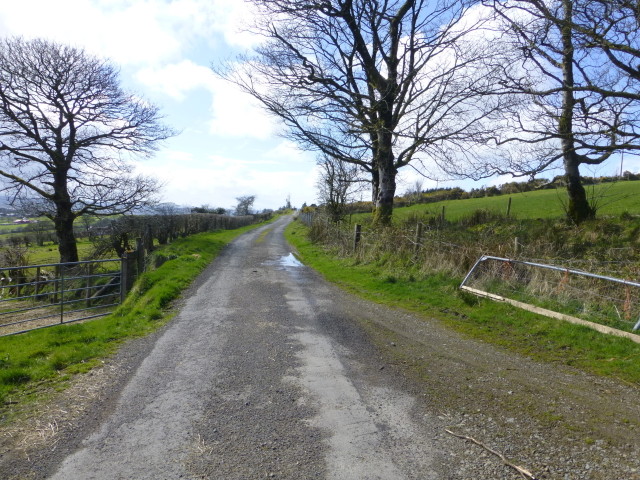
x=269 y=372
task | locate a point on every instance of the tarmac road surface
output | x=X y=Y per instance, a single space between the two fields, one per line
x=261 y=375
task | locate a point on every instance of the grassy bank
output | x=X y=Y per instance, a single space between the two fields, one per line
x=41 y=361
x=609 y=199
x=437 y=296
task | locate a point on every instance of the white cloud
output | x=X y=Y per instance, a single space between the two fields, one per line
x=130 y=32
x=286 y=150
x=233 y=113
x=177 y=79
x=237 y=114
x=218 y=180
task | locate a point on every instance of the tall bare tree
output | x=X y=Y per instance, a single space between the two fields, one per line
x=376 y=83
x=577 y=111
x=66 y=127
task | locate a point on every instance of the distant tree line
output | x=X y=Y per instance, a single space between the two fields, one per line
x=455 y=193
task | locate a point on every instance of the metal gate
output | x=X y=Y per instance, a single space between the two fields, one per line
x=38 y=296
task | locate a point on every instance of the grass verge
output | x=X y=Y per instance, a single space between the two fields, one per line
x=36 y=363
x=438 y=296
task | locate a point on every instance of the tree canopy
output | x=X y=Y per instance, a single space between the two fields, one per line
x=380 y=84
x=468 y=88
x=67 y=129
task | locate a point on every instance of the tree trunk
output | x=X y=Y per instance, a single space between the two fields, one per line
x=67 y=245
x=578 y=209
x=384 y=159
x=386 y=178
x=375 y=186
x=64 y=218
x=384 y=203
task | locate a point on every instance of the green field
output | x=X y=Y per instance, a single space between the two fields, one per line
x=49 y=253
x=387 y=269
x=609 y=198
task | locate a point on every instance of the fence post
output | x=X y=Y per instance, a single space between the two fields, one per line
x=148 y=239
x=509 y=208
x=140 y=256
x=357 y=233
x=418 y=242
x=124 y=276
x=442 y=218
x=62 y=269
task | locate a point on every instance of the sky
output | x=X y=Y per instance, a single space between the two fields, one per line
x=227 y=146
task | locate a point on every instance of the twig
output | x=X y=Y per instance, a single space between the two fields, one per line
x=525 y=473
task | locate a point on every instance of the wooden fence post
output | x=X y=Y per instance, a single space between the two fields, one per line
x=418 y=242
x=124 y=276
x=509 y=208
x=357 y=233
x=148 y=238
x=442 y=218
x=139 y=256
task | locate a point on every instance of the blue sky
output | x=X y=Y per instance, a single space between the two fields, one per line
x=228 y=146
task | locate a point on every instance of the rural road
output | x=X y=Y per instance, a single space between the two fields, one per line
x=267 y=371
x=254 y=379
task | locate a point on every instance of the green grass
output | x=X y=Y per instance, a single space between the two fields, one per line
x=48 y=254
x=438 y=296
x=611 y=199
x=38 y=362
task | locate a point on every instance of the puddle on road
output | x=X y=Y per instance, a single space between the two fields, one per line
x=286 y=261
x=290 y=261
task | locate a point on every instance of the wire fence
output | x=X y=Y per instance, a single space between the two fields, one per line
x=602 y=291
x=38 y=296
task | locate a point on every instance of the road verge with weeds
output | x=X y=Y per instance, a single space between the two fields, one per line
x=437 y=296
x=35 y=364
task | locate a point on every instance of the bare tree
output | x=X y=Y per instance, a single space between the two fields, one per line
x=244 y=205
x=66 y=127
x=610 y=28
x=571 y=113
x=379 y=84
x=41 y=230
x=338 y=183
x=414 y=193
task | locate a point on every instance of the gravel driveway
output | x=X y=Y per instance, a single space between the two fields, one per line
x=267 y=371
